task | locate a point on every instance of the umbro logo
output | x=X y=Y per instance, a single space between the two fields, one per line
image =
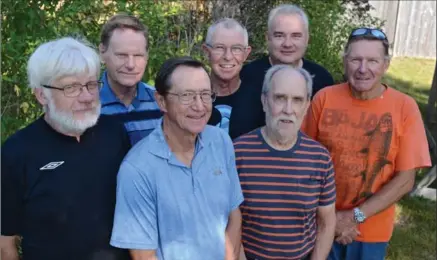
x=51 y=165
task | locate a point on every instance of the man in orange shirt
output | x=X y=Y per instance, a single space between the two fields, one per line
x=376 y=137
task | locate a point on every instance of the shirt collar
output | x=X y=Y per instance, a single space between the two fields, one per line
x=108 y=96
x=160 y=146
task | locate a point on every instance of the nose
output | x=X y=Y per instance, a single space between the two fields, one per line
x=198 y=104
x=85 y=96
x=228 y=54
x=288 y=107
x=288 y=42
x=363 y=67
x=130 y=63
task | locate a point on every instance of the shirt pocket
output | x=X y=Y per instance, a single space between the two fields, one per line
x=310 y=189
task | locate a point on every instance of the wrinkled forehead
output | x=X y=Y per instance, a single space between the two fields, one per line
x=228 y=36
x=366 y=48
x=288 y=23
x=288 y=82
x=185 y=78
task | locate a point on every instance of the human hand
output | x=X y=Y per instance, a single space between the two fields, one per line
x=345 y=221
x=348 y=236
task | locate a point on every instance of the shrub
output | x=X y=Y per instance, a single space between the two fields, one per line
x=176 y=28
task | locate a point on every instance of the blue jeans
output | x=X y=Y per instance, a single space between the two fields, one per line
x=358 y=251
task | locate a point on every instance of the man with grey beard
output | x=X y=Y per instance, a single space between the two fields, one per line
x=59 y=173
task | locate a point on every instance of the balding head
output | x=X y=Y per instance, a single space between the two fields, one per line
x=286 y=98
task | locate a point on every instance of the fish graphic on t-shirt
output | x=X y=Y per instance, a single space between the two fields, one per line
x=377 y=150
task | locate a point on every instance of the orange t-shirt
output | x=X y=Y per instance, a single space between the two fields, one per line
x=369 y=141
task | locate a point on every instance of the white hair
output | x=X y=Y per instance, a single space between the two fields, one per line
x=287 y=9
x=61 y=58
x=267 y=84
x=228 y=23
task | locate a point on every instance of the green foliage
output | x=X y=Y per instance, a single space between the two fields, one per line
x=176 y=28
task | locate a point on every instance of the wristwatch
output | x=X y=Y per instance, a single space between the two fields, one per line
x=359 y=216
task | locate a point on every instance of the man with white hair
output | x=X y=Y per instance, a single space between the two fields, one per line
x=287 y=39
x=226 y=48
x=59 y=173
x=287 y=178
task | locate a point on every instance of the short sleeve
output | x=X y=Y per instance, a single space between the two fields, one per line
x=135 y=219
x=413 y=146
x=12 y=191
x=310 y=124
x=328 y=193
x=236 y=194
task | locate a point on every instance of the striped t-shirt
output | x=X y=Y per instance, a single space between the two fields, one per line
x=282 y=190
x=140 y=118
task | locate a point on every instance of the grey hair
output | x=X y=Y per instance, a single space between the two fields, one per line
x=287 y=9
x=267 y=84
x=61 y=58
x=228 y=23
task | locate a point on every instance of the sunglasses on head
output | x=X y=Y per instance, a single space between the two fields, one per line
x=377 y=33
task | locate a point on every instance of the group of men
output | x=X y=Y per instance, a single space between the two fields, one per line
x=269 y=160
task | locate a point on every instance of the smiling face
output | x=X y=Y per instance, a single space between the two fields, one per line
x=365 y=64
x=287 y=39
x=125 y=57
x=190 y=118
x=227 y=52
x=286 y=103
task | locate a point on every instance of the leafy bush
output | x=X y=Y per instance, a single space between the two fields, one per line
x=176 y=28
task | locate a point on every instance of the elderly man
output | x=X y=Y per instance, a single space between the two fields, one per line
x=59 y=173
x=124 y=51
x=178 y=193
x=377 y=139
x=227 y=48
x=286 y=177
x=287 y=40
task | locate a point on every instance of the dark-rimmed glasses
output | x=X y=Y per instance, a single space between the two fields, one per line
x=188 y=98
x=377 y=33
x=75 y=89
x=221 y=49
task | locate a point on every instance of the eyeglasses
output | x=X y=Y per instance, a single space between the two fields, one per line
x=188 y=98
x=221 y=49
x=75 y=89
x=377 y=33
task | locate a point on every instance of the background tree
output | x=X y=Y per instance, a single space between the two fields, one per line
x=176 y=28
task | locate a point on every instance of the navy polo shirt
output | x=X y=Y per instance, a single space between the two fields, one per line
x=59 y=194
x=140 y=117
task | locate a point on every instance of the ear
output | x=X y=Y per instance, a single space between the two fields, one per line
x=386 y=64
x=102 y=51
x=41 y=97
x=205 y=50
x=264 y=101
x=161 y=101
x=248 y=50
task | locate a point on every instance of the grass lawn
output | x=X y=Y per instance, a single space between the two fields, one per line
x=414 y=237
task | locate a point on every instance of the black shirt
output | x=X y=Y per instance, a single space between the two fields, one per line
x=59 y=194
x=247 y=113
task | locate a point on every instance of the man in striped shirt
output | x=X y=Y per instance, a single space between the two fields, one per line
x=124 y=51
x=287 y=178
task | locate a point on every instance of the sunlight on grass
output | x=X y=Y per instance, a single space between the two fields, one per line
x=418 y=72
x=414 y=236
x=411 y=76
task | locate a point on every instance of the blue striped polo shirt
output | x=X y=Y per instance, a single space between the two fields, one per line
x=282 y=190
x=140 y=117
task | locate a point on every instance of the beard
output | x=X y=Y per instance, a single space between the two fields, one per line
x=65 y=121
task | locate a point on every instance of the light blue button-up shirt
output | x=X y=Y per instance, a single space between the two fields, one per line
x=180 y=212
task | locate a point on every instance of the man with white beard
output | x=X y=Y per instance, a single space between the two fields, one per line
x=59 y=173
